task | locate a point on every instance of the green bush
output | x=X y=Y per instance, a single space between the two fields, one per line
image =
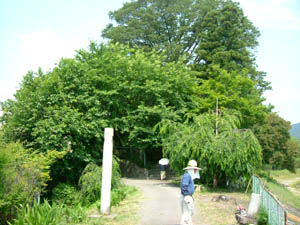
x=262 y=216
x=91 y=180
x=74 y=215
x=66 y=194
x=117 y=195
x=90 y=184
x=23 y=173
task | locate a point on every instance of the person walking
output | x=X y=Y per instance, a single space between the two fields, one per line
x=163 y=163
x=187 y=191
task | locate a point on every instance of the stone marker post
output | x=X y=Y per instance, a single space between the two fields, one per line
x=106 y=170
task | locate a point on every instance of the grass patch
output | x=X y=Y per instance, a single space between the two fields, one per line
x=296 y=185
x=220 y=212
x=125 y=213
x=282 y=175
x=282 y=193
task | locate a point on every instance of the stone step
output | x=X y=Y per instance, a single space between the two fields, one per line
x=131 y=170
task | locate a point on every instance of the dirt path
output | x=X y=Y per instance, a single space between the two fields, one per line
x=160 y=205
x=287 y=183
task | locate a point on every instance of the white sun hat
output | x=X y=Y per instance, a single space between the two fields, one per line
x=192 y=165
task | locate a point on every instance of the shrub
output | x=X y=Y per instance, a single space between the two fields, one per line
x=23 y=173
x=74 y=215
x=39 y=214
x=65 y=194
x=90 y=184
x=46 y=214
x=262 y=216
x=117 y=195
x=91 y=180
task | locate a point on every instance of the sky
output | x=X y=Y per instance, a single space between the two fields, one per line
x=38 y=33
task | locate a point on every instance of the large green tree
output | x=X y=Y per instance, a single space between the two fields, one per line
x=227 y=154
x=232 y=91
x=279 y=150
x=206 y=31
x=105 y=86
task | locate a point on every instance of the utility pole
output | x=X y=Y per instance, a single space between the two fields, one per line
x=215 y=181
x=217 y=110
x=106 y=170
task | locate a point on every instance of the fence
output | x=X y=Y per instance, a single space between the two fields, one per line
x=277 y=214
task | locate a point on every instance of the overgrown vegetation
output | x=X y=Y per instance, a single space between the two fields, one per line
x=282 y=193
x=91 y=180
x=104 y=86
x=68 y=204
x=23 y=175
x=60 y=214
x=279 y=150
x=167 y=65
x=226 y=155
x=45 y=214
x=262 y=216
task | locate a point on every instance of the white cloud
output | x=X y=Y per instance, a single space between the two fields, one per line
x=272 y=14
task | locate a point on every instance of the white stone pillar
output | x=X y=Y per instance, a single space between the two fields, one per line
x=106 y=170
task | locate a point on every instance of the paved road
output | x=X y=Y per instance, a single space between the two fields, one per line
x=160 y=205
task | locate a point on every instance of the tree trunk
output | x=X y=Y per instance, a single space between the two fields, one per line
x=215 y=184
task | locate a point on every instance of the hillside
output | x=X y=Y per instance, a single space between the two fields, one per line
x=295 y=131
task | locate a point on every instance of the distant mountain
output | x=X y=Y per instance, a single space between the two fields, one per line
x=295 y=131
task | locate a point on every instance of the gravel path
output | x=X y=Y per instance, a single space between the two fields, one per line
x=289 y=182
x=160 y=205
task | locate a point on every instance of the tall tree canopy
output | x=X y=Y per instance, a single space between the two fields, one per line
x=232 y=91
x=105 y=86
x=207 y=31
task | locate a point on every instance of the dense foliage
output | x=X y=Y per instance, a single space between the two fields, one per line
x=279 y=150
x=46 y=213
x=105 y=86
x=91 y=180
x=297 y=141
x=232 y=91
x=262 y=216
x=23 y=174
x=208 y=32
x=179 y=59
x=225 y=153
x=217 y=40
x=68 y=202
